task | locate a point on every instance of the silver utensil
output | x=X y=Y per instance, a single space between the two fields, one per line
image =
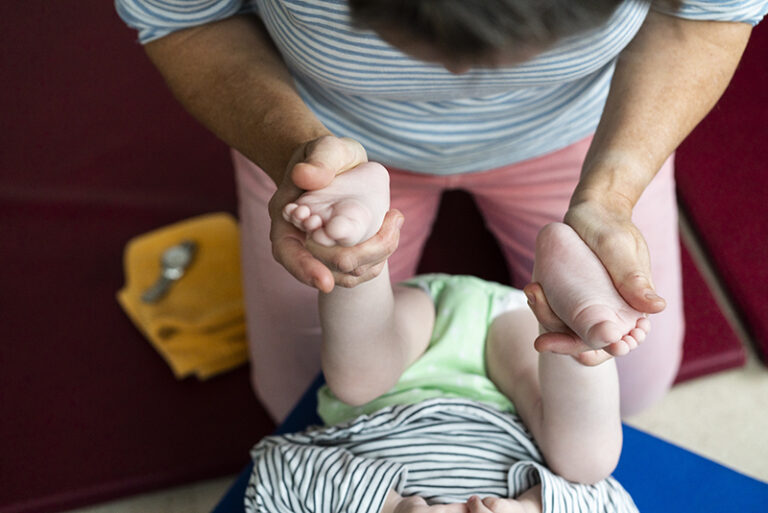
x=173 y=264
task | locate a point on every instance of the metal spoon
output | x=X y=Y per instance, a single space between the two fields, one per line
x=173 y=263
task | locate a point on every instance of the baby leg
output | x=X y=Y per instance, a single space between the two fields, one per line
x=371 y=332
x=346 y=212
x=580 y=291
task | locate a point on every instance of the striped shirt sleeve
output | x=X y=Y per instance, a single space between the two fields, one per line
x=559 y=495
x=747 y=11
x=154 y=19
x=297 y=478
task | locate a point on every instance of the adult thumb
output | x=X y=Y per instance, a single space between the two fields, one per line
x=324 y=158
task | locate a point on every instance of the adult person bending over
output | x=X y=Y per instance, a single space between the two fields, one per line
x=543 y=111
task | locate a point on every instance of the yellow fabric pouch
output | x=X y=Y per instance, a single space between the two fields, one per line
x=198 y=327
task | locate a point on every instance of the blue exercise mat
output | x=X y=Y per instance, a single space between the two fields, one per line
x=660 y=476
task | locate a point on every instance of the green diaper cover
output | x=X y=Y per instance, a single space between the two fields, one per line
x=454 y=363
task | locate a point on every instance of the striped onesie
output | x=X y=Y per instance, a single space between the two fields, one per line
x=444 y=450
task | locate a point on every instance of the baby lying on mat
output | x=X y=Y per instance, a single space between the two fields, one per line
x=436 y=399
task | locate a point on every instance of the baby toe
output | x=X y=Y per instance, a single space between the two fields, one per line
x=644 y=323
x=313 y=222
x=301 y=212
x=344 y=230
x=630 y=342
x=638 y=334
x=322 y=238
x=619 y=348
x=288 y=210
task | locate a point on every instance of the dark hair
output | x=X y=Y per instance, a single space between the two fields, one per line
x=472 y=28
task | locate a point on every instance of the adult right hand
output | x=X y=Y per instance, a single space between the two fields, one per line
x=313 y=166
x=556 y=337
x=605 y=225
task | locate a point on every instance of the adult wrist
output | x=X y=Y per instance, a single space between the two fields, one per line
x=614 y=185
x=614 y=177
x=613 y=201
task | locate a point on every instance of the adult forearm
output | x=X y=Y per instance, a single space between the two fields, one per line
x=230 y=77
x=665 y=82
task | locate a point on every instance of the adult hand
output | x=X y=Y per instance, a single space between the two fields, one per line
x=557 y=337
x=313 y=166
x=606 y=227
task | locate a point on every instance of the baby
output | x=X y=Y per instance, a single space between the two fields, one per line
x=435 y=396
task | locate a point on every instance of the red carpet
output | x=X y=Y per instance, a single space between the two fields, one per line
x=722 y=175
x=94 y=152
x=90 y=411
x=710 y=344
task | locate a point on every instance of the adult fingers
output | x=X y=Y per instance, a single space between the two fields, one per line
x=288 y=242
x=360 y=263
x=475 y=505
x=323 y=159
x=570 y=345
x=503 y=505
x=593 y=357
x=558 y=338
x=412 y=504
x=539 y=305
x=625 y=256
x=288 y=250
x=560 y=343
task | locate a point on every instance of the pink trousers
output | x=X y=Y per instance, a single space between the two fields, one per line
x=516 y=201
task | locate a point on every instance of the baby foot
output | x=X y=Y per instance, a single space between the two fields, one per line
x=580 y=291
x=348 y=211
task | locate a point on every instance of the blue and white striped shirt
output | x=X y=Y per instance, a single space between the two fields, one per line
x=418 y=116
x=443 y=450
